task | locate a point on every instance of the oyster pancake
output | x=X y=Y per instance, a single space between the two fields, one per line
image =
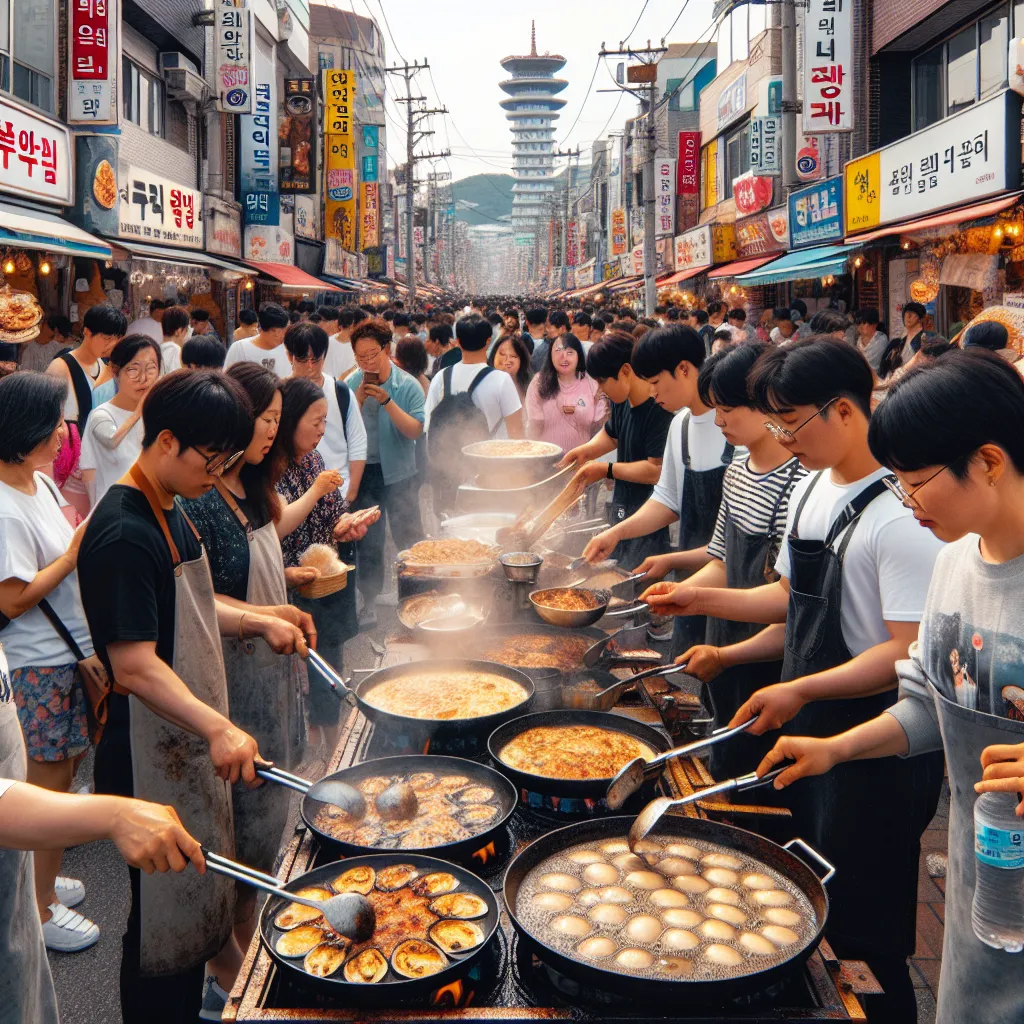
x=446 y=696
x=457 y=936
x=463 y=905
x=417 y=958
x=366 y=967
x=573 y=751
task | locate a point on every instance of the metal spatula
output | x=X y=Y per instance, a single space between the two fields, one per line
x=605 y=700
x=327 y=791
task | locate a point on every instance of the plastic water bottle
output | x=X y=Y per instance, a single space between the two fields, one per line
x=997 y=913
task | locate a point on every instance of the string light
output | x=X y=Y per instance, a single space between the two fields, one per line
x=858 y=262
x=8 y=265
x=248 y=284
x=44 y=268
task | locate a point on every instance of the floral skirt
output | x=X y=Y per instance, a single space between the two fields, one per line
x=51 y=709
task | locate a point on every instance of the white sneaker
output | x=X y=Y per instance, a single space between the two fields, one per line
x=214 y=1000
x=67 y=931
x=70 y=891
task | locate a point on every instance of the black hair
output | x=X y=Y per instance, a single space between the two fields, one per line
x=581 y=320
x=827 y=321
x=701 y=316
x=247 y=317
x=59 y=325
x=297 y=395
x=226 y=421
x=441 y=333
x=988 y=334
x=401 y=320
x=175 y=319
x=156 y=304
x=608 y=356
x=31 y=408
x=866 y=316
x=935 y=347
x=800 y=306
x=597 y=324
x=203 y=352
x=411 y=355
x=782 y=313
x=722 y=332
x=547 y=384
x=347 y=317
x=259 y=481
x=314 y=318
x=473 y=332
x=522 y=377
x=418 y=318
x=294 y=317
x=811 y=372
x=200 y=315
x=559 y=318
x=304 y=338
x=328 y=312
x=272 y=317
x=104 y=319
x=127 y=349
x=723 y=377
x=737 y=313
x=716 y=307
x=912 y=428
x=536 y=315
x=916 y=307
x=494 y=319
x=664 y=348
x=672 y=313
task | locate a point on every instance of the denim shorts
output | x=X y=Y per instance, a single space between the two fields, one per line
x=51 y=709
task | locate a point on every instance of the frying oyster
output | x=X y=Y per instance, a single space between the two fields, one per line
x=607 y=913
x=679 y=938
x=463 y=905
x=669 y=898
x=680 y=917
x=323 y=960
x=586 y=857
x=416 y=958
x=457 y=936
x=299 y=941
x=298 y=913
x=635 y=959
x=676 y=866
x=435 y=884
x=568 y=924
x=358 y=879
x=722 y=860
x=552 y=901
x=721 y=876
x=628 y=862
x=720 y=895
x=779 y=935
x=474 y=795
x=477 y=814
x=365 y=835
x=684 y=850
x=366 y=967
x=724 y=955
x=644 y=880
x=394 y=876
x=753 y=943
x=422 y=780
x=772 y=898
x=724 y=912
x=780 y=915
x=596 y=948
x=600 y=874
x=561 y=881
x=373 y=785
x=644 y=928
x=691 y=883
x=714 y=929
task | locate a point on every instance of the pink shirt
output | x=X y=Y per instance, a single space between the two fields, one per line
x=548 y=421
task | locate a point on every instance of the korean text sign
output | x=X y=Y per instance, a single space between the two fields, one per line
x=688 y=183
x=339 y=157
x=233 y=59
x=665 y=197
x=156 y=209
x=369 y=235
x=766 y=145
x=694 y=249
x=816 y=214
x=828 y=66
x=261 y=202
x=618 y=231
x=35 y=155
x=92 y=61
x=297 y=136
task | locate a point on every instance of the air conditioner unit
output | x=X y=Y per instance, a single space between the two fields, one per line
x=171 y=59
x=185 y=85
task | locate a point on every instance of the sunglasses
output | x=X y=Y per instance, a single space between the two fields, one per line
x=784 y=434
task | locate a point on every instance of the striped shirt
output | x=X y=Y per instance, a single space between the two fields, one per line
x=749 y=500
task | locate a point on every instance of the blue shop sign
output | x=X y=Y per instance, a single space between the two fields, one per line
x=816 y=214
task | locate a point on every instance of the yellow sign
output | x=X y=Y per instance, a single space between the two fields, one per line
x=862 y=193
x=339 y=158
x=723 y=242
x=618 y=231
x=709 y=175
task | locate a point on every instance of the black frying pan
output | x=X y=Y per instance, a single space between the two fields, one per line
x=562 y=642
x=651 y=990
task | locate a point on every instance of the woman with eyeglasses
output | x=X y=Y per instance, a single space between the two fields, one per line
x=113 y=435
x=854 y=572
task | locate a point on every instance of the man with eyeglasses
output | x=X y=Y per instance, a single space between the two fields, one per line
x=157 y=625
x=854 y=573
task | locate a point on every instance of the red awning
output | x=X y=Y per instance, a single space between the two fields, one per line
x=292 y=277
x=742 y=266
x=976 y=212
x=683 y=275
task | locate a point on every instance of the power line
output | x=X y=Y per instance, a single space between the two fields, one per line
x=586 y=96
x=637 y=22
x=387 y=25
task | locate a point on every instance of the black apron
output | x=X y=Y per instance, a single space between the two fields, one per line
x=630 y=553
x=698 y=510
x=866 y=817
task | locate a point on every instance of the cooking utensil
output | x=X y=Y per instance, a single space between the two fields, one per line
x=627 y=646
x=326 y=791
x=633 y=775
x=393 y=988
x=348 y=913
x=453 y=613
x=528 y=532
x=563 y=647
x=574 y=619
x=521 y=571
x=647 y=990
x=604 y=700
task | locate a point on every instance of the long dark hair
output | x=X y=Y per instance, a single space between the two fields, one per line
x=297 y=395
x=547 y=379
x=259 y=481
x=522 y=377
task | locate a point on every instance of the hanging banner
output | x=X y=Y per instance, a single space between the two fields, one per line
x=732 y=100
x=156 y=209
x=297 y=135
x=339 y=158
x=828 y=66
x=233 y=59
x=665 y=197
x=816 y=214
x=96 y=198
x=306 y=219
x=637 y=259
x=92 y=61
x=762 y=234
x=766 y=145
x=259 y=163
x=370 y=215
x=572 y=244
x=688 y=182
x=618 y=231
x=752 y=194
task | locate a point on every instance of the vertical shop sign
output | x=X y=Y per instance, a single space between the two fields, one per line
x=297 y=135
x=688 y=183
x=92 y=61
x=260 y=197
x=572 y=244
x=233 y=59
x=370 y=216
x=618 y=231
x=765 y=145
x=339 y=157
x=371 y=142
x=665 y=197
x=828 y=67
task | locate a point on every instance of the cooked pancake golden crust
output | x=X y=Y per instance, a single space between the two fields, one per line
x=443 y=696
x=573 y=751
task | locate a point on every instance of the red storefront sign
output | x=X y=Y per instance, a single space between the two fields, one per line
x=762 y=234
x=752 y=194
x=90 y=74
x=688 y=167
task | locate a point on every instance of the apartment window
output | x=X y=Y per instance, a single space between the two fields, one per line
x=929 y=106
x=143 y=98
x=737 y=154
x=27 y=56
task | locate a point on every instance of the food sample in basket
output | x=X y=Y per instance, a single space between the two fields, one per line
x=567 y=599
x=535 y=650
x=573 y=751
x=416 y=934
x=701 y=913
x=322 y=558
x=20 y=315
x=450 y=552
x=513 y=449
x=449 y=808
x=442 y=696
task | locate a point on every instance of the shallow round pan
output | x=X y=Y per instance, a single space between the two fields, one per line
x=571 y=619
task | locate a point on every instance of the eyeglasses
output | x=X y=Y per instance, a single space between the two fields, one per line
x=310 y=360
x=136 y=372
x=784 y=434
x=219 y=463
x=370 y=359
x=906 y=498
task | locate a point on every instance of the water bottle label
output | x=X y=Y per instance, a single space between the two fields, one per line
x=999 y=847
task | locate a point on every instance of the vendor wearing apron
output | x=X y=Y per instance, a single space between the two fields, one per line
x=638 y=428
x=855 y=571
x=149 y=599
x=696 y=454
x=963 y=479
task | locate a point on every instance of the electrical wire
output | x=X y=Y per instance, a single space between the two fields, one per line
x=637 y=22
x=586 y=96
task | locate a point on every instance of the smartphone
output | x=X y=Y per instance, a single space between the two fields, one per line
x=371 y=377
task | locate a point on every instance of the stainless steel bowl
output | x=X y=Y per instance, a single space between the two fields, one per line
x=525 y=573
x=571 y=619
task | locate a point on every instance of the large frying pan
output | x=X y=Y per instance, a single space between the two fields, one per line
x=672 y=991
x=393 y=987
x=566 y=647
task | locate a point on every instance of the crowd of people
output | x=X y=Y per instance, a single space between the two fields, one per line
x=161 y=494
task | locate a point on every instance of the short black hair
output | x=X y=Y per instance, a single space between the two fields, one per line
x=608 y=356
x=314 y=318
x=868 y=315
x=156 y=304
x=536 y=315
x=59 y=325
x=915 y=307
x=672 y=313
x=128 y=347
x=226 y=422
x=737 y=313
x=800 y=307
x=782 y=313
x=31 y=408
x=664 y=348
x=175 y=319
x=272 y=317
x=559 y=318
x=200 y=314
x=723 y=377
x=701 y=316
x=328 y=312
x=401 y=320
x=812 y=371
x=473 y=332
x=411 y=355
x=988 y=334
x=494 y=319
x=247 y=317
x=104 y=319
x=716 y=307
x=827 y=321
x=581 y=319
x=597 y=324
x=203 y=352
x=441 y=333
x=912 y=428
x=304 y=338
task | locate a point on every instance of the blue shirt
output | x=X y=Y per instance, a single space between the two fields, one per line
x=397 y=453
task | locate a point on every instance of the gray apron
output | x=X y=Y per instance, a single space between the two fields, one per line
x=26 y=987
x=977 y=982
x=186 y=918
x=263 y=697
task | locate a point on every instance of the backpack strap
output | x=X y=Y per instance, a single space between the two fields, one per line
x=478 y=379
x=83 y=390
x=803 y=501
x=852 y=513
x=446 y=381
x=344 y=396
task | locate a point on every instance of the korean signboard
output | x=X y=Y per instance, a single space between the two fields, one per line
x=766 y=145
x=260 y=197
x=270 y=244
x=306 y=219
x=156 y=209
x=369 y=234
x=688 y=180
x=966 y=157
x=732 y=100
x=223 y=228
x=693 y=249
x=828 y=66
x=816 y=214
x=93 y=56
x=339 y=157
x=233 y=59
x=297 y=136
x=572 y=237
x=371 y=143
x=763 y=234
x=665 y=197
x=637 y=259
x=618 y=231
x=35 y=156
x=751 y=193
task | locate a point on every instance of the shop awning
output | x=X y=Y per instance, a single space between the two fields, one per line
x=344 y=283
x=801 y=265
x=46 y=231
x=738 y=267
x=978 y=211
x=194 y=258
x=625 y=283
x=292 y=277
x=591 y=288
x=683 y=275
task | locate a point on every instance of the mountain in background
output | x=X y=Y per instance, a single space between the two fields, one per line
x=483 y=198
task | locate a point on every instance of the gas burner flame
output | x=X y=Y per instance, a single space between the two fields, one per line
x=453 y=994
x=485 y=852
x=426 y=746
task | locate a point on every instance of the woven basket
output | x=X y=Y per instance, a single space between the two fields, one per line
x=323 y=586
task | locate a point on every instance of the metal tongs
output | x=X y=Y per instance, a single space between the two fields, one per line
x=340 y=686
x=605 y=700
x=633 y=775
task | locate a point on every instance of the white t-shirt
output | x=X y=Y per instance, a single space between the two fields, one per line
x=147 y=325
x=706 y=447
x=340 y=358
x=496 y=396
x=71 y=401
x=275 y=359
x=337 y=452
x=170 y=357
x=33 y=533
x=110 y=463
x=888 y=564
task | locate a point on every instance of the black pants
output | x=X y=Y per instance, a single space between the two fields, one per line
x=400 y=507
x=171 y=998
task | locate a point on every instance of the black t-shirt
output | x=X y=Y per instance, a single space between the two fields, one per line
x=640 y=433
x=449 y=358
x=125 y=571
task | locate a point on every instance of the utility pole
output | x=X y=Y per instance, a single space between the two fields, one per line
x=430 y=233
x=790 y=105
x=414 y=116
x=570 y=153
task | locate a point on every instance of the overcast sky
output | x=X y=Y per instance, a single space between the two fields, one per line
x=464 y=41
